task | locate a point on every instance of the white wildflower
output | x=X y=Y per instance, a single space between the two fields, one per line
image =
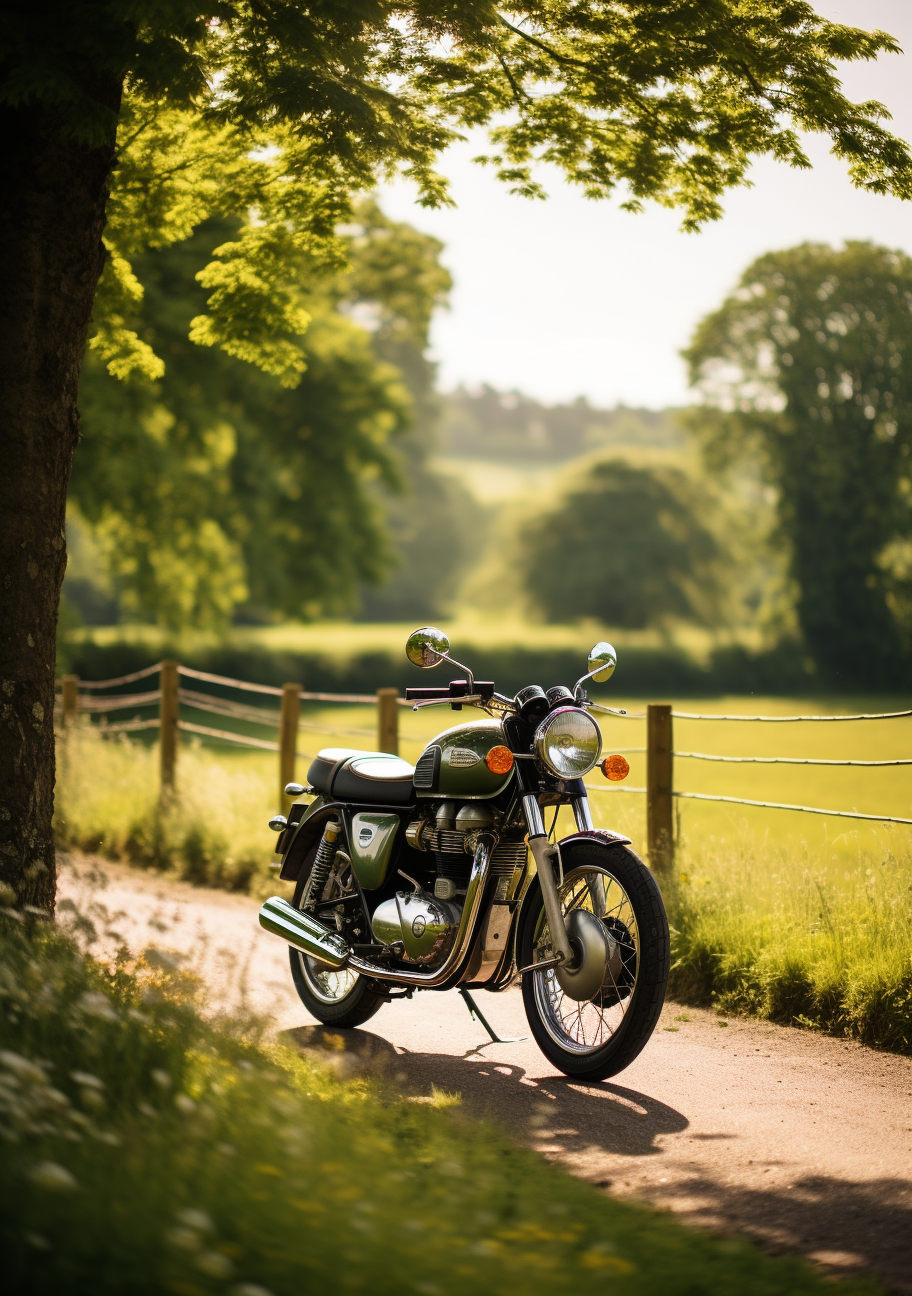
x=184 y=1238
x=213 y=1264
x=196 y=1219
x=87 y=1080
x=50 y=1175
x=97 y=1005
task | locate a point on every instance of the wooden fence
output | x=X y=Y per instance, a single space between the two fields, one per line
x=78 y=697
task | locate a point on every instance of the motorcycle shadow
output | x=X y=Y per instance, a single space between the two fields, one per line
x=545 y=1112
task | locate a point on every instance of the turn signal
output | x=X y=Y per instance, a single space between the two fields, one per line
x=615 y=768
x=499 y=760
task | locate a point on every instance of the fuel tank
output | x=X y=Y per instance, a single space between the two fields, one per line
x=453 y=763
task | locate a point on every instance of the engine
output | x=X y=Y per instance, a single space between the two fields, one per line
x=421 y=926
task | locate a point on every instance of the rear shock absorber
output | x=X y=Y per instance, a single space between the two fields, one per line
x=323 y=862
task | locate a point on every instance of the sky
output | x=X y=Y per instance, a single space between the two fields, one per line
x=568 y=297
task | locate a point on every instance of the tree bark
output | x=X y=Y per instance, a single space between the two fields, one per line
x=51 y=255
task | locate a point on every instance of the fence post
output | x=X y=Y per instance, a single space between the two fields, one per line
x=70 y=698
x=659 y=783
x=388 y=720
x=167 y=724
x=288 y=738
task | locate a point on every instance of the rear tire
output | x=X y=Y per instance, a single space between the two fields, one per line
x=342 y=999
x=601 y=1036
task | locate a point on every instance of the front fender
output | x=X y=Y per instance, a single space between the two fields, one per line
x=599 y=836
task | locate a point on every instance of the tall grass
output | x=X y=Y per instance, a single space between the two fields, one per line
x=805 y=936
x=212 y=831
x=148 y=1150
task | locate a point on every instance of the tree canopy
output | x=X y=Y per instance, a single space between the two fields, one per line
x=627 y=545
x=213 y=486
x=808 y=366
x=278 y=112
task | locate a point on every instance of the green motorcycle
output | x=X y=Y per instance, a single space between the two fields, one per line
x=420 y=877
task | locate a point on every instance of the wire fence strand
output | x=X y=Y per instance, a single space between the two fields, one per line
x=243 y=739
x=778 y=805
x=790 y=719
x=209 y=678
x=783 y=760
x=121 y=679
x=120 y=702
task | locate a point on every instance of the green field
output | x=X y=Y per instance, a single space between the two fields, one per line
x=797 y=917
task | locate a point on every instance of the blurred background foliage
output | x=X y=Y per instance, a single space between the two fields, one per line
x=775 y=514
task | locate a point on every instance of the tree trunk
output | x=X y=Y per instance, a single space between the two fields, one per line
x=51 y=255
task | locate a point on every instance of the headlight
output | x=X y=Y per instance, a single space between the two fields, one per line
x=568 y=743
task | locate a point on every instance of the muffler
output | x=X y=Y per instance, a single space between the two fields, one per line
x=304 y=932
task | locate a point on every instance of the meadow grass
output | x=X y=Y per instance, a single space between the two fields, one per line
x=150 y=1150
x=798 y=918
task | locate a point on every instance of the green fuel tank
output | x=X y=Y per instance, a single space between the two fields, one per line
x=453 y=763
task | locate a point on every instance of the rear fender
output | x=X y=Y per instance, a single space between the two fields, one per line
x=307 y=833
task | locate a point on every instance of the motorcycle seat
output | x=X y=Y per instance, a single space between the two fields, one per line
x=354 y=775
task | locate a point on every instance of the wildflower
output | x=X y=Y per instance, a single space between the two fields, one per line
x=87 y=1080
x=250 y=1289
x=196 y=1219
x=185 y=1104
x=97 y=1005
x=50 y=1175
x=25 y=1070
x=214 y=1264
x=185 y=1238
x=161 y=1078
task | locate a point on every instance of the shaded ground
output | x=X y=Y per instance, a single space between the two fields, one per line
x=801 y=1142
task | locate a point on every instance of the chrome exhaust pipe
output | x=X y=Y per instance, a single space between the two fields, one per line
x=304 y=932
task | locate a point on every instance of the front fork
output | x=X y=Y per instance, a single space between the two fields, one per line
x=546 y=856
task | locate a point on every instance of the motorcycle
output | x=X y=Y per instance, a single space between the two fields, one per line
x=580 y=924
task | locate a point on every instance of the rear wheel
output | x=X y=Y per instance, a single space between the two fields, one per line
x=336 y=998
x=597 y=1036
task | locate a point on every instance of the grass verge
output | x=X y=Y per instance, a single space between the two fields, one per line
x=150 y=1150
x=804 y=937
x=213 y=833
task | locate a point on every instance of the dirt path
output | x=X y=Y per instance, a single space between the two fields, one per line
x=801 y=1142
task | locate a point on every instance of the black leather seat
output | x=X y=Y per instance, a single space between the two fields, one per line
x=354 y=775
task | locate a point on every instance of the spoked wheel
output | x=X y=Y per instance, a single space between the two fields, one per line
x=593 y=1022
x=336 y=998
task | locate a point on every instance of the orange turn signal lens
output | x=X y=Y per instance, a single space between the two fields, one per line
x=499 y=760
x=615 y=768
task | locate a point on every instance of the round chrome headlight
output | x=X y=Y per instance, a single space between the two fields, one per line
x=568 y=742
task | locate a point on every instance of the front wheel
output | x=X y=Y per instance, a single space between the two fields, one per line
x=595 y=1037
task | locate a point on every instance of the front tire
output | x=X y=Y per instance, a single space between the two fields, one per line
x=342 y=999
x=598 y=1037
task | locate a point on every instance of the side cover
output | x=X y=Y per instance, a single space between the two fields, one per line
x=372 y=838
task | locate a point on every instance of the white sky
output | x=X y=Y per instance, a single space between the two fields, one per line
x=568 y=297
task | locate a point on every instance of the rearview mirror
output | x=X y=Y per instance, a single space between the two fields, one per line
x=427 y=647
x=602 y=661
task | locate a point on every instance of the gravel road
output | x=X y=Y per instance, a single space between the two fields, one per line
x=801 y=1142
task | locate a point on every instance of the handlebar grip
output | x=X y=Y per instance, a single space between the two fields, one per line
x=427 y=694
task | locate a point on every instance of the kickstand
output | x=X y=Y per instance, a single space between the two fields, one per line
x=475 y=1012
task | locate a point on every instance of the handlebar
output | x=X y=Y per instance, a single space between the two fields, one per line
x=452 y=692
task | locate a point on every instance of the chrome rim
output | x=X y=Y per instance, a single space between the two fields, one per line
x=586 y=1026
x=324 y=984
